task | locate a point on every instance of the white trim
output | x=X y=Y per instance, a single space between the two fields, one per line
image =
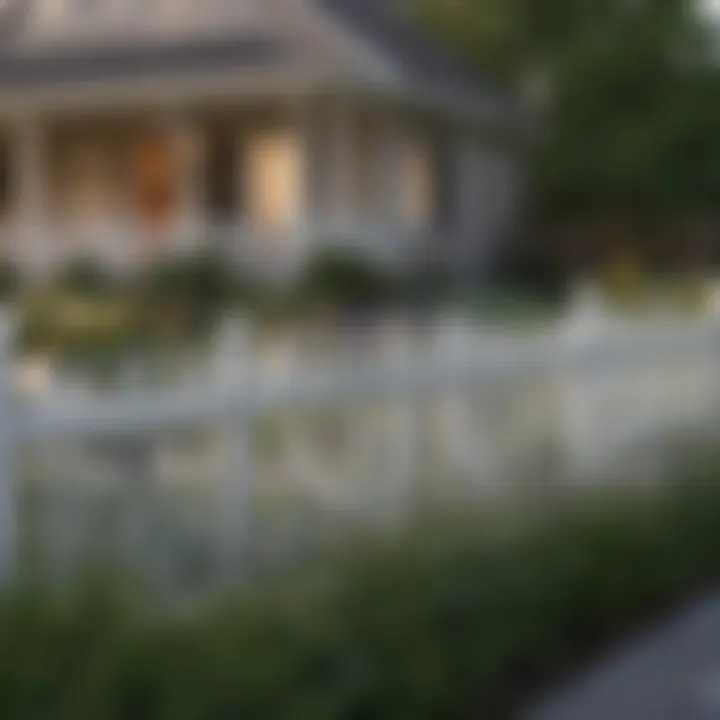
x=389 y=171
x=103 y=95
x=344 y=149
x=31 y=172
x=121 y=246
x=188 y=146
x=68 y=98
x=300 y=117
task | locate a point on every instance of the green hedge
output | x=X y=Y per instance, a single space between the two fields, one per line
x=85 y=314
x=345 y=279
x=449 y=622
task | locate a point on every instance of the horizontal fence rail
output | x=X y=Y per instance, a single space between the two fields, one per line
x=253 y=462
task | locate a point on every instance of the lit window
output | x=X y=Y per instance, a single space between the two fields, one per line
x=157 y=180
x=273 y=181
x=417 y=184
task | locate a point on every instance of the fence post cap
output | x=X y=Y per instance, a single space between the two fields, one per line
x=587 y=313
x=712 y=301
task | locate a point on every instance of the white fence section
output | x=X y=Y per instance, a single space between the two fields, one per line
x=274 y=448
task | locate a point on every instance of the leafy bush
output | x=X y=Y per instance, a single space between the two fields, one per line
x=10 y=281
x=85 y=313
x=449 y=622
x=192 y=291
x=532 y=268
x=344 y=279
x=75 y=327
x=205 y=279
x=84 y=276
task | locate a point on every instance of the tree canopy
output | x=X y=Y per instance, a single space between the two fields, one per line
x=632 y=121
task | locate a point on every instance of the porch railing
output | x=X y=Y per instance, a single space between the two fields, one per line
x=126 y=247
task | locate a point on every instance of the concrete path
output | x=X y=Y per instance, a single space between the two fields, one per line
x=671 y=673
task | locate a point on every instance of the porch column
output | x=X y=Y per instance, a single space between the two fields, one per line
x=188 y=148
x=30 y=176
x=344 y=173
x=470 y=191
x=390 y=174
x=389 y=184
x=302 y=127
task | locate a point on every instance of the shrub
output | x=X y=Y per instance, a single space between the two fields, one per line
x=204 y=278
x=84 y=276
x=626 y=282
x=192 y=292
x=10 y=281
x=532 y=268
x=450 y=622
x=75 y=327
x=344 y=279
x=86 y=314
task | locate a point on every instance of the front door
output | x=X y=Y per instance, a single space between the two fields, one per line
x=157 y=182
x=223 y=193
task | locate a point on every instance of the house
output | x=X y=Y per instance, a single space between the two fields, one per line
x=265 y=129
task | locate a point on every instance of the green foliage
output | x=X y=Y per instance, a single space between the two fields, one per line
x=342 y=279
x=75 y=326
x=10 y=281
x=205 y=279
x=81 y=312
x=85 y=314
x=447 y=622
x=630 y=104
x=187 y=295
x=84 y=277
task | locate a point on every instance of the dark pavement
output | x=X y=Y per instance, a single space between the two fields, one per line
x=669 y=673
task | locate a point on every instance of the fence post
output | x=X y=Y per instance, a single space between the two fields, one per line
x=582 y=443
x=239 y=492
x=9 y=507
x=713 y=307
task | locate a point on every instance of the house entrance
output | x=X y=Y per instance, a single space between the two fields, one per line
x=157 y=177
x=222 y=179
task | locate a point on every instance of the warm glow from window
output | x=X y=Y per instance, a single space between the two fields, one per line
x=88 y=187
x=273 y=181
x=417 y=188
x=157 y=180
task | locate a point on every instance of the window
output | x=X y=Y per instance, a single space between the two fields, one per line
x=157 y=175
x=367 y=183
x=272 y=180
x=417 y=184
x=222 y=181
x=6 y=188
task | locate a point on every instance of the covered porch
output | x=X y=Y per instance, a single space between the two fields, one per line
x=265 y=183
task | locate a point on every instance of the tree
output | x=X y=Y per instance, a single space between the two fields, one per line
x=631 y=131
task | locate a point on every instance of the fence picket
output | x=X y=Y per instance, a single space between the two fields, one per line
x=451 y=416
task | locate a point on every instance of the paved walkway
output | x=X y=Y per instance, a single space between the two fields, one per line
x=672 y=673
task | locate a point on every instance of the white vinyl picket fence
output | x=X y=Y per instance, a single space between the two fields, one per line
x=265 y=455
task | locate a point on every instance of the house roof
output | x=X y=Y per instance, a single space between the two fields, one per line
x=132 y=61
x=358 y=40
x=420 y=59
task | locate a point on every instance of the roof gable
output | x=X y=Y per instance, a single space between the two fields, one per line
x=421 y=61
